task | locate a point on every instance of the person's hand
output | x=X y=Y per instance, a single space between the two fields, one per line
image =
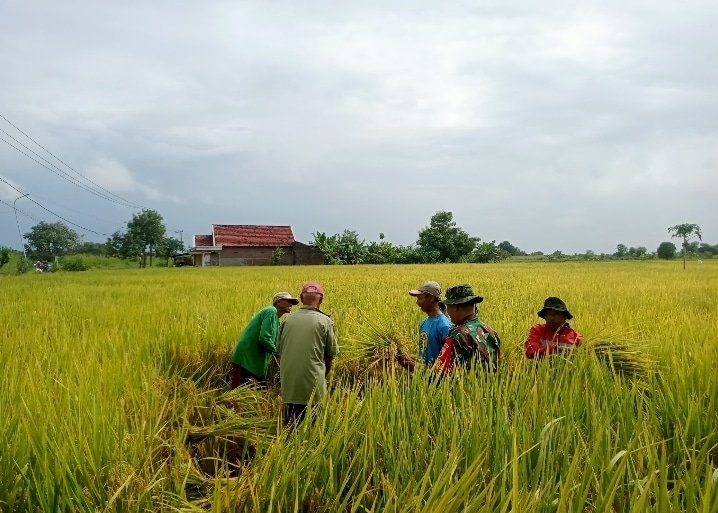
x=401 y=357
x=405 y=360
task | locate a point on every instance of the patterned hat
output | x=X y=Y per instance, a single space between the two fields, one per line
x=462 y=294
x=554 y=303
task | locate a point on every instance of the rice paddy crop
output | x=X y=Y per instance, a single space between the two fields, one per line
x=114 y=395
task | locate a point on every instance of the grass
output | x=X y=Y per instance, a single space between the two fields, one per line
x=114 y=396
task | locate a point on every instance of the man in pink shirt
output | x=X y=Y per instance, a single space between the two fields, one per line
x=555 y=335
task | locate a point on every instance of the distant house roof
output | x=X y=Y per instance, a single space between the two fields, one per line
x=203 y=240
x=246 y=235
x=252 y=235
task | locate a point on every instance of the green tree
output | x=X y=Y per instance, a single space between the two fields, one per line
x=707 y=249
x=169 y=247
x=621 y=251
x=666 y=251
x=685 y=231
x=146 y=230
x=328 y=246
x=486 y=252
x=407 y=255
x=381 y=252
x=346 y=248
x=351 y=249
x=692 y=248
x=91 y=248
x=45 y=240
x=443 y=241
x=510 y=249
x=4 y=255
x=123 y=245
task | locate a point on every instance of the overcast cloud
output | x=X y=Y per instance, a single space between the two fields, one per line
x=553 y=125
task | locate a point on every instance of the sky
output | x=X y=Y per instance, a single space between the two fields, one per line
x=553 y=125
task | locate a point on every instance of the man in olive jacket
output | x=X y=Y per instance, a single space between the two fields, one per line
x=307 y=346
x=258 y=342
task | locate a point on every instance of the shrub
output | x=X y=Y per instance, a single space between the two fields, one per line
x=23 y=265
x=73 y=264
x=277 y=255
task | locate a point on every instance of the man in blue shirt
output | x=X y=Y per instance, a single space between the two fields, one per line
x=432 y=330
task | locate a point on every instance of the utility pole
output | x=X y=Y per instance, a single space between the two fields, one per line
x=181 y=240
x=17 y=222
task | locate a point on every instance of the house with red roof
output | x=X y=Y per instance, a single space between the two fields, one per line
x=251 y=244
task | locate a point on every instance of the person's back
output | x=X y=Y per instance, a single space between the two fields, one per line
x=307 y=345
x=302 y=352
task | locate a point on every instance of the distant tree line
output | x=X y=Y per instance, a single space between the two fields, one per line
x=444 y=241
x=145 y=237
x=441 y=241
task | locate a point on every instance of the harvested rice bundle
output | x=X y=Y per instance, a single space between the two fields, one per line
x=248 y=402
x=230 y=444
x=625 y=357
x=227 y=453
x=374 y=352
x=231 y=422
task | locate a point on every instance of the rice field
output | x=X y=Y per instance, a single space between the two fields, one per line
x=114 y=395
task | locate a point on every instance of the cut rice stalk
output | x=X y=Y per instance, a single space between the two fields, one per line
x=625 y=357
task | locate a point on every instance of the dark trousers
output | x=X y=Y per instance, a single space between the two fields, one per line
x=294 y=414
x=241 y=376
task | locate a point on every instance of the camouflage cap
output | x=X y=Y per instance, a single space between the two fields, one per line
x=462 y=294
x=554 y=303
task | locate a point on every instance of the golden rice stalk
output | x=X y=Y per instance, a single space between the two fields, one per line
x=374 y=352
x=624 y=357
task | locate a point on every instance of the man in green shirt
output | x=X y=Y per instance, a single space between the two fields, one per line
x=307 y=346
x=258 y=342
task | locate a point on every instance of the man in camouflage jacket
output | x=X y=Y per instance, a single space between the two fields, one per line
x=470 y=342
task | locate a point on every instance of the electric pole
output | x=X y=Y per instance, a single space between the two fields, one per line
x=17 y=222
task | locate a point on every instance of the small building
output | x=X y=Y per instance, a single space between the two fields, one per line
x=250 y=244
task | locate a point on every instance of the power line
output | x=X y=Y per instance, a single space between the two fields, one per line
x=69 y=211
x=63 y=174
x=72 y=180
x=20 y=211
x=129 y=203
x=51 y=212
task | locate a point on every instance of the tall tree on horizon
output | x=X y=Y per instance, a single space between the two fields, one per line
x=443 y=241
x=685 y=231
x=45 y=241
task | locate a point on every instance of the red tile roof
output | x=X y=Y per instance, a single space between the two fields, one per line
x=203 y=240
x=252 y=235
